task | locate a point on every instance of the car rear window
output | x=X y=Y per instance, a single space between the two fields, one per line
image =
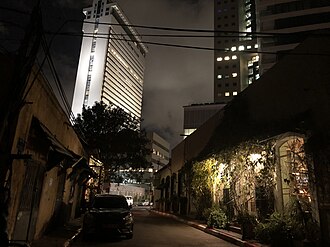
x=110 y=202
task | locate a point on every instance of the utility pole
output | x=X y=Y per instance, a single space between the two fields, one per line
x=12 y=105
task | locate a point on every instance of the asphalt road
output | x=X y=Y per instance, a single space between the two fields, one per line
x=153 y=230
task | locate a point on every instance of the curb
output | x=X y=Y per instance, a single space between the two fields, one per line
x=217 y=233
x=73 y=238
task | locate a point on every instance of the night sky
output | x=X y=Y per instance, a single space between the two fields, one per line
x=174 y=77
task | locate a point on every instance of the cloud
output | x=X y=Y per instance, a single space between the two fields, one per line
x=174 y=77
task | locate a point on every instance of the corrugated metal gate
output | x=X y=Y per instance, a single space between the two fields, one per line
x=29 y=203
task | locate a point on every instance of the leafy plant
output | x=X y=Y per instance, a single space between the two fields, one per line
x=282 y=229
x=217 y=218
x=276 y=231
x=246 y=218
x=247 y=222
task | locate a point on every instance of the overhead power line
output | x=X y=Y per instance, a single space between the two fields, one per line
x=109 y=36
x=185 y=29
x=215 y=34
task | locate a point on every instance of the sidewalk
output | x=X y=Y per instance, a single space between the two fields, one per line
x=62 y=236
x=229 y=236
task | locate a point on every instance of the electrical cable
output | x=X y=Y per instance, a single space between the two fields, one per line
x=194 y=47
x=59 y=87
x=171 y=28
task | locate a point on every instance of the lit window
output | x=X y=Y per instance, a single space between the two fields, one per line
x=234 y=57
x=219 y=59
x=233 y=48
x=227 y=58
x=219 y=76
x=250 y=80
x=227 y=94
x=256 y=46
x=234 y=93
x=248 y=47
x=234 y=74
x=249 y=29
x=241 y=48
x=257 y=76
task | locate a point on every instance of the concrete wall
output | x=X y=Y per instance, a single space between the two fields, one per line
x=41 y=104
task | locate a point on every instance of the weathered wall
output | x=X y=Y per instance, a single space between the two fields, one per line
x=41 y=104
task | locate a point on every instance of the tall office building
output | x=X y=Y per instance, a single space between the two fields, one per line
x=240 y=57
x=294 y=17
x=112 y=60
x=235 y=58
x=160 y=151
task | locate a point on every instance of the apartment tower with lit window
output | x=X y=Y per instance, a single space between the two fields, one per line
x=112 y=60
x=298 y=18
x=235 y=56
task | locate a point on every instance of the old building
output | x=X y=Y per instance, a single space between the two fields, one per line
x=49 y=164
x=287 y=108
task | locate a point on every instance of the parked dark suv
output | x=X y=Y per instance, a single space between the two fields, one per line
x=108 y=214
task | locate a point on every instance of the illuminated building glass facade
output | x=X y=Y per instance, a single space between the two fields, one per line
x=297 y=18
x=112 y=60
x=235 y=58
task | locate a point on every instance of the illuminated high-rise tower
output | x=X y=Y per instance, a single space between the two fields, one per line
x=112 y=60
x=235 y=58
x=297 y=18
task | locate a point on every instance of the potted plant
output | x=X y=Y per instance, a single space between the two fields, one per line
x=247 y=222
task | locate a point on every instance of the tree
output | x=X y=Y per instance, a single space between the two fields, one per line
x=115 y=135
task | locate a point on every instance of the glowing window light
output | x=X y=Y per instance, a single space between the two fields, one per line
x=219 y=76
x=248 y=47
x=241 y=48
x=233 y=48
x=234 y=93
x=227 y=94
x=227 y=58
x=234 y=57
x=256 y=46
x=219 y=59
x=234 y=74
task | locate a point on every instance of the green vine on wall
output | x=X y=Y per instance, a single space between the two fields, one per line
x=240 y=168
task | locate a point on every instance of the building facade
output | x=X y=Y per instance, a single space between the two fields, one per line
x=235 y=56
x=278 y=103
x=197 y=114
x=252 y=35
x=296 y=18
x=46 y=185
x=112 y=60
x=160 y=148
